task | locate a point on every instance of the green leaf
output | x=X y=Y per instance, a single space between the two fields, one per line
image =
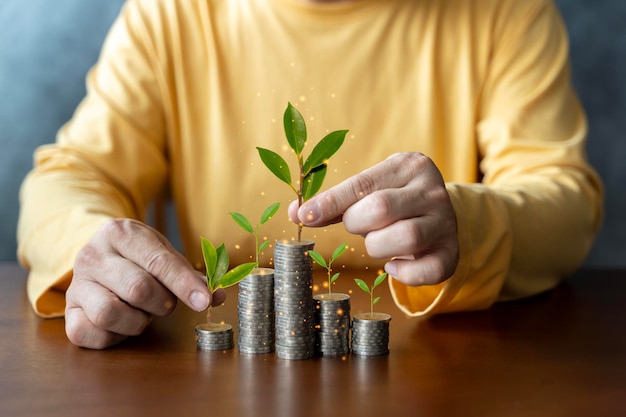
x=242 y=221
x=340 y=250
x=236 y=274
x=276 y=164
x=362 y=285
x=263 y=245
x=313 y=182
x=334 y=277
x=379 y=280
x=324 y=150
x=295 y=129
x=222 y=265
x=318 y=258
x=377 y=299
x=210 y=258
x=269 y=212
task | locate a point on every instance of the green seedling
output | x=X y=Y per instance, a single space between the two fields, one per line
x=246 y=225
x=218 y=276
x=370 y=290
x=312 y=171
x=319 y=259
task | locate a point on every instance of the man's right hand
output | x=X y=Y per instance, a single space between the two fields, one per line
x=126 y=274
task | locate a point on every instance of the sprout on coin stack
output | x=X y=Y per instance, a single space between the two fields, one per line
x=256 y=294
x=219 y=336
x=370 y=331
x=332 y=311
x=312 y=171
x=293 y=268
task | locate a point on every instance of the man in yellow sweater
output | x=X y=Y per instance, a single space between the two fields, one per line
x=463 y=168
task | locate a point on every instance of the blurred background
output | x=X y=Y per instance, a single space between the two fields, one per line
x=47 y=47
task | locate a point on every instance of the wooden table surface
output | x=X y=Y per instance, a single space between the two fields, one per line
x=559 y=354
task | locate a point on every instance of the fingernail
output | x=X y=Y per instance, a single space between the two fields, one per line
x=199 y=301
x=312 y=212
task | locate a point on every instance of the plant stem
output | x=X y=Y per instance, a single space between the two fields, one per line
x=372 y=302
x=330 y=262
x=300 y=199
x=256 y=244
x=208 y=316
x=329 y=283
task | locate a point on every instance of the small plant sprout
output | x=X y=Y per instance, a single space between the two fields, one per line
x=319 y=259
x=312 y=171
x=370 y=290
x=245 y=224
x=217 y=274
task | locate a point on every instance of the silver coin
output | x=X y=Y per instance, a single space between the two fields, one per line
x=255 y=350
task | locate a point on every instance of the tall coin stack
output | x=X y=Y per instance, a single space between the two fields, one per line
x=293 y=300
x=214 y=336
x=256 y=312
x=370 y=334
x=332 y=322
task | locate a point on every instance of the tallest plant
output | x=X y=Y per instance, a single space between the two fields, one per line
x=312 y=170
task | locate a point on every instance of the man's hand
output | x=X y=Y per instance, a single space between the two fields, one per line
x=126 y=274
x=402 y=208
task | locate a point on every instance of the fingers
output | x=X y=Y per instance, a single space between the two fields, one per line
x=95 y=318
x=124 y=275
x=151 y=253
x=428 y=269
x=402 y=208
x=393 y=173
x=81 y=332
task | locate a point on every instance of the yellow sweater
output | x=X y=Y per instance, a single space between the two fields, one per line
x=186 y=89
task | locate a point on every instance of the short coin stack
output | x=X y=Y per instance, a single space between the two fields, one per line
x=293 y=300
x=370 y=334
x=214 y=336
x=256 y=312
x=332 y=321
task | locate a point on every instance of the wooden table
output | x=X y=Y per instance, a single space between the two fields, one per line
x=558 y=354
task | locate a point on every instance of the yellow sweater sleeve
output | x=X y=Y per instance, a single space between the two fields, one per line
x=533 y=218
x=93 y=171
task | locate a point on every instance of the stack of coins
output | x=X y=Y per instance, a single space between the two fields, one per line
x=214 y=336
x=332 y=323
x=370 y=334
x=256 y=312
x=293 y=300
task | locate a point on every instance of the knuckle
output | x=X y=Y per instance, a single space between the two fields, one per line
x=412 y=160
x=439 y=195
x=139 y=291
x=112 y=227
x=411 y=237
x=381 y=205
x=74 y=331
x=363 y=185
x=88 y=255
x=117 y=228
x=105 y=315
x=158 y=262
